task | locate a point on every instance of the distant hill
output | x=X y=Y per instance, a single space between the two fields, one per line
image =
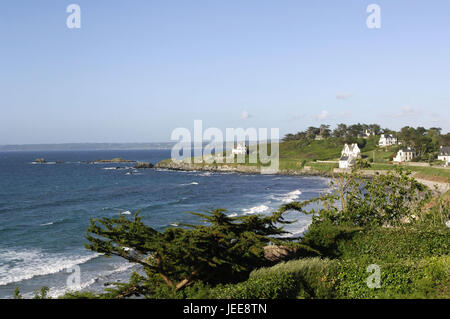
x=96 y=146
x=87 y=146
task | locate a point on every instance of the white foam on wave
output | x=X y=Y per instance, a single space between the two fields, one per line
x=56 y=292
x=255 y=210
x=126 y=213
x=18 y=265
x=288 y=197
x=206 y=174
x=193 y=183
x=47 y=224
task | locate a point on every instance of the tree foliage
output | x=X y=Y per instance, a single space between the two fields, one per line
x=192 y=259
x=218 y=249
x=385 y=200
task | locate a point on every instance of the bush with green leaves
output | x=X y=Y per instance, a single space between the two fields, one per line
x=402 y=243
x=379 y=221
x=414 y=259
x=311 y=274
x=304 y=278
x=41 y=294
x=385 y=200
x=327 y=238
x=380 y=243
x=425 y=278
x=281 y=285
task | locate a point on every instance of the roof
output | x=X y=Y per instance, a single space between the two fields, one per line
x=352 y=147
x=444 y=151
x=407 y=149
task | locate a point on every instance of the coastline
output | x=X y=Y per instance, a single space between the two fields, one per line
x=182 y=166
x=438 y=186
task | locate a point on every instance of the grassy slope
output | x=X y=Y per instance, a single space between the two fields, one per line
x=294 y=155
x=414 y=263
x=413 y=260
x=424 y=172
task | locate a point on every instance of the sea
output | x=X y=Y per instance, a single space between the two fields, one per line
x=46 y=208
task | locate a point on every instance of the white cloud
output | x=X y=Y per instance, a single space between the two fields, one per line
x=245 y=115
x=343 y=96
x=322 y=115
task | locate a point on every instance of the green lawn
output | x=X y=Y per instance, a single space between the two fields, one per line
x=323 y=167
x=427 y=171
x=384 y=155
x=294 y=155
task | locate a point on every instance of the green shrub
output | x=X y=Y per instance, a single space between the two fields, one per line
x=327 y=238
x=81 y=295
x=311 y=275
x=426 y=278
x=42 y=293
x=304 y=278
x=273 y=286
x=393 y=244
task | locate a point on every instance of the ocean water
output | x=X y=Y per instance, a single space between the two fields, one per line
x=45 y=209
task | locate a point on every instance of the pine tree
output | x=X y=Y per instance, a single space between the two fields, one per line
x=217 y=250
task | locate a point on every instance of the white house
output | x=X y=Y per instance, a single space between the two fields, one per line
x=318 y=137
x=240 y=149
x=444 y=154
x=387 y=140
x=368 y=133
x=405 y=155
x=349 y=155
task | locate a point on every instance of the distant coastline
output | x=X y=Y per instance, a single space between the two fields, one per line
x=87 y=147
x=246 y=169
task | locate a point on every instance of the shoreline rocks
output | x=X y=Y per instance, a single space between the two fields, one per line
x=182 y=166
x=143 y=165
x=306 y=171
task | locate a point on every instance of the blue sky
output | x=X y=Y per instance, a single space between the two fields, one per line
x=136 y=70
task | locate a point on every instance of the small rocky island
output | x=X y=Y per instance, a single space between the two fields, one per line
x=44 y=161
x=40 y=160
x=117 y=160
x=143 y=165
